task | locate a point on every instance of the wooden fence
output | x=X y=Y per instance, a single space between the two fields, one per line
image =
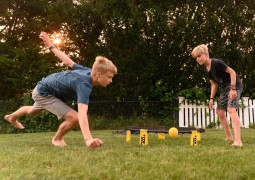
x=199 y=116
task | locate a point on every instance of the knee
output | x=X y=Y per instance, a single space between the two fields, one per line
x=71 y=124
x=33 y=111
x=72 y=118
x=74 y=121
x=220 y=113
x=232 y=110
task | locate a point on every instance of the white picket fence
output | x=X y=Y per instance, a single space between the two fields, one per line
x=199 y=116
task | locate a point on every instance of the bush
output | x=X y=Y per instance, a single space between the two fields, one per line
x=195 y=95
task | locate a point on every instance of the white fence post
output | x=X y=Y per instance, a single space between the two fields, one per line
x=245 y=115
x=181 y=112
x=199 y=116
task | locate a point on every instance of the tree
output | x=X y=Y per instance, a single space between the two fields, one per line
x=149 y=41
x=23 y=63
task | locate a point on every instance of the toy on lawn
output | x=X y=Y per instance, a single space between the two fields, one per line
x=144 y=136
x=173 y=132
x=194 y=138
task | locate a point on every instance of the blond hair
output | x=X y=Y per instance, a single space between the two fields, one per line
x=103 y=65
x=199 y=50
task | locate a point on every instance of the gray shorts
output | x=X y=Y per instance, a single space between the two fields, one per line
x=50 y=103
x=225 y=102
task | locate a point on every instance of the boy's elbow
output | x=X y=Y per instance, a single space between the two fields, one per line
x=69 y=64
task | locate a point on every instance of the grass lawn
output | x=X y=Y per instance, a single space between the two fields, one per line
x=31 y=156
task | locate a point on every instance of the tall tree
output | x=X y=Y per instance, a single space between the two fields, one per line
x=22 y=63
x=149 y=41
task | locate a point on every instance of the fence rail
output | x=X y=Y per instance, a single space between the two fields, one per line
x=189 y=115
x=113 y=109
x=192 y=115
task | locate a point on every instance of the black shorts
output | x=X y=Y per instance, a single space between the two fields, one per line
x=225 y=102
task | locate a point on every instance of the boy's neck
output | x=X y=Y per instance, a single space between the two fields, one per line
x=93 y=81
x=208 y=64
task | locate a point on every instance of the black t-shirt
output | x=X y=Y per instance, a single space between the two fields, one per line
x=219 y=75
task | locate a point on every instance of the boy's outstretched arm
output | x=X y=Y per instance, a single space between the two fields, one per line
x=61 y=55
x=84 y=126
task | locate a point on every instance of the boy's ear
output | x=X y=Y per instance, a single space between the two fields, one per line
x=97 y=74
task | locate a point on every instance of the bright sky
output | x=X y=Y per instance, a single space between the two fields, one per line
x=56 y=41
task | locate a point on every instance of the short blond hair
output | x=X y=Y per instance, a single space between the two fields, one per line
x=199 y=50
x=103 y=65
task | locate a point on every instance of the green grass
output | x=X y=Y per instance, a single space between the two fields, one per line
x=31 y=156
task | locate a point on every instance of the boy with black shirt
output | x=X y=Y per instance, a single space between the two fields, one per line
x=221 y=74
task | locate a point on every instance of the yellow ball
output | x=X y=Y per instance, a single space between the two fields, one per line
x=173 y=132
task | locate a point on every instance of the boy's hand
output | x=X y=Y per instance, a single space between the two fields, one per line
x=211 y=104
x=94 y=142
x=233 y=94
x=46 y=39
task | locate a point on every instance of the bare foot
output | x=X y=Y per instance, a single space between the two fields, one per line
x=59 y=143
x=15 y=123
x=237 y=145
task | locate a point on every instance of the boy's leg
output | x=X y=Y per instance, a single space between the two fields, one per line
x=224 y=122
x=221 y=112
x=232 y=106
x=61 y=110
x=23 y=111
x=71 y=120
x=236 y=125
